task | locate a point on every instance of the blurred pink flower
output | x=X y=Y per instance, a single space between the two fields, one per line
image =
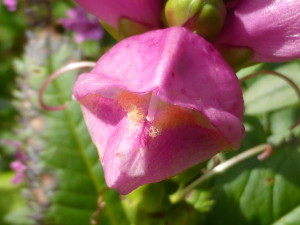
x=19 y=169
x=10 y=4
x=18 y=164
x=159 y=103
x=85 y=27
x=12 y=143
x=271 y=28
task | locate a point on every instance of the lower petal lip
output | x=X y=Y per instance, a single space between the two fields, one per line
x=133 y=158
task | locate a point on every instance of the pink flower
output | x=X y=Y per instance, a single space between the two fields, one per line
x=18 y=164
x=86 y=27
x=159 y=103
x=10 y=4
x=144 y=12
x=271 y=28
x=19 y=169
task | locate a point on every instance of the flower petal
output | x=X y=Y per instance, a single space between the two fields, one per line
x=101 y=116
x=270 y=28
x=142 y=11
x=132 y=158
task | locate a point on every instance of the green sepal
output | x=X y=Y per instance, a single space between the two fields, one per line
x=203 y=17
x=236 y=57
x=128 y=27
x=111 y=30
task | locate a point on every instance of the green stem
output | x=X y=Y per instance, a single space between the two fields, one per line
x=69 y=67
x=181 y=193
x=295 y=124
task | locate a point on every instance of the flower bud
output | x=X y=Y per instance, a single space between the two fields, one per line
x=204 y=17
x=141 y=15
x=270 y=28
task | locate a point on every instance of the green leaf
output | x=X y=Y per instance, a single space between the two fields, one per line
x=259 y=192
x=270 y=93
x=291 y=218
x=255 y=133
x=280 y=123
x=12 y=208
x=248 y=70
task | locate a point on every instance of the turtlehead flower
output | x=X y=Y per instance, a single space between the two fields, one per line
x=270 y=28
x=122 y=17
x=85 y=27
x=158 y=103
x=10 y=4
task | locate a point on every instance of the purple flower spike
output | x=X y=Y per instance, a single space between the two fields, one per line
x=271 y=28
x=146 y=12
x=86 y=27
x=159 y=103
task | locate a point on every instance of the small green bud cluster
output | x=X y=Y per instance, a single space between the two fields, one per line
x=205 y=17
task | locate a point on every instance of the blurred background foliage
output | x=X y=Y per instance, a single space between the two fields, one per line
x=64 y=182
x=12 y=39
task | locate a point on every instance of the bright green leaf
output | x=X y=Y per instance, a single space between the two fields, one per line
x=258 y=192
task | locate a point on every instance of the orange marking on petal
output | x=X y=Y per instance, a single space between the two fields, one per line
x=128 y=100
x=173 y=116
x=133 y=104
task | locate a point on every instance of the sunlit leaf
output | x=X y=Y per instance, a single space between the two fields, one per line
x=259 y=192
x=12 y=207
x=270 y=93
